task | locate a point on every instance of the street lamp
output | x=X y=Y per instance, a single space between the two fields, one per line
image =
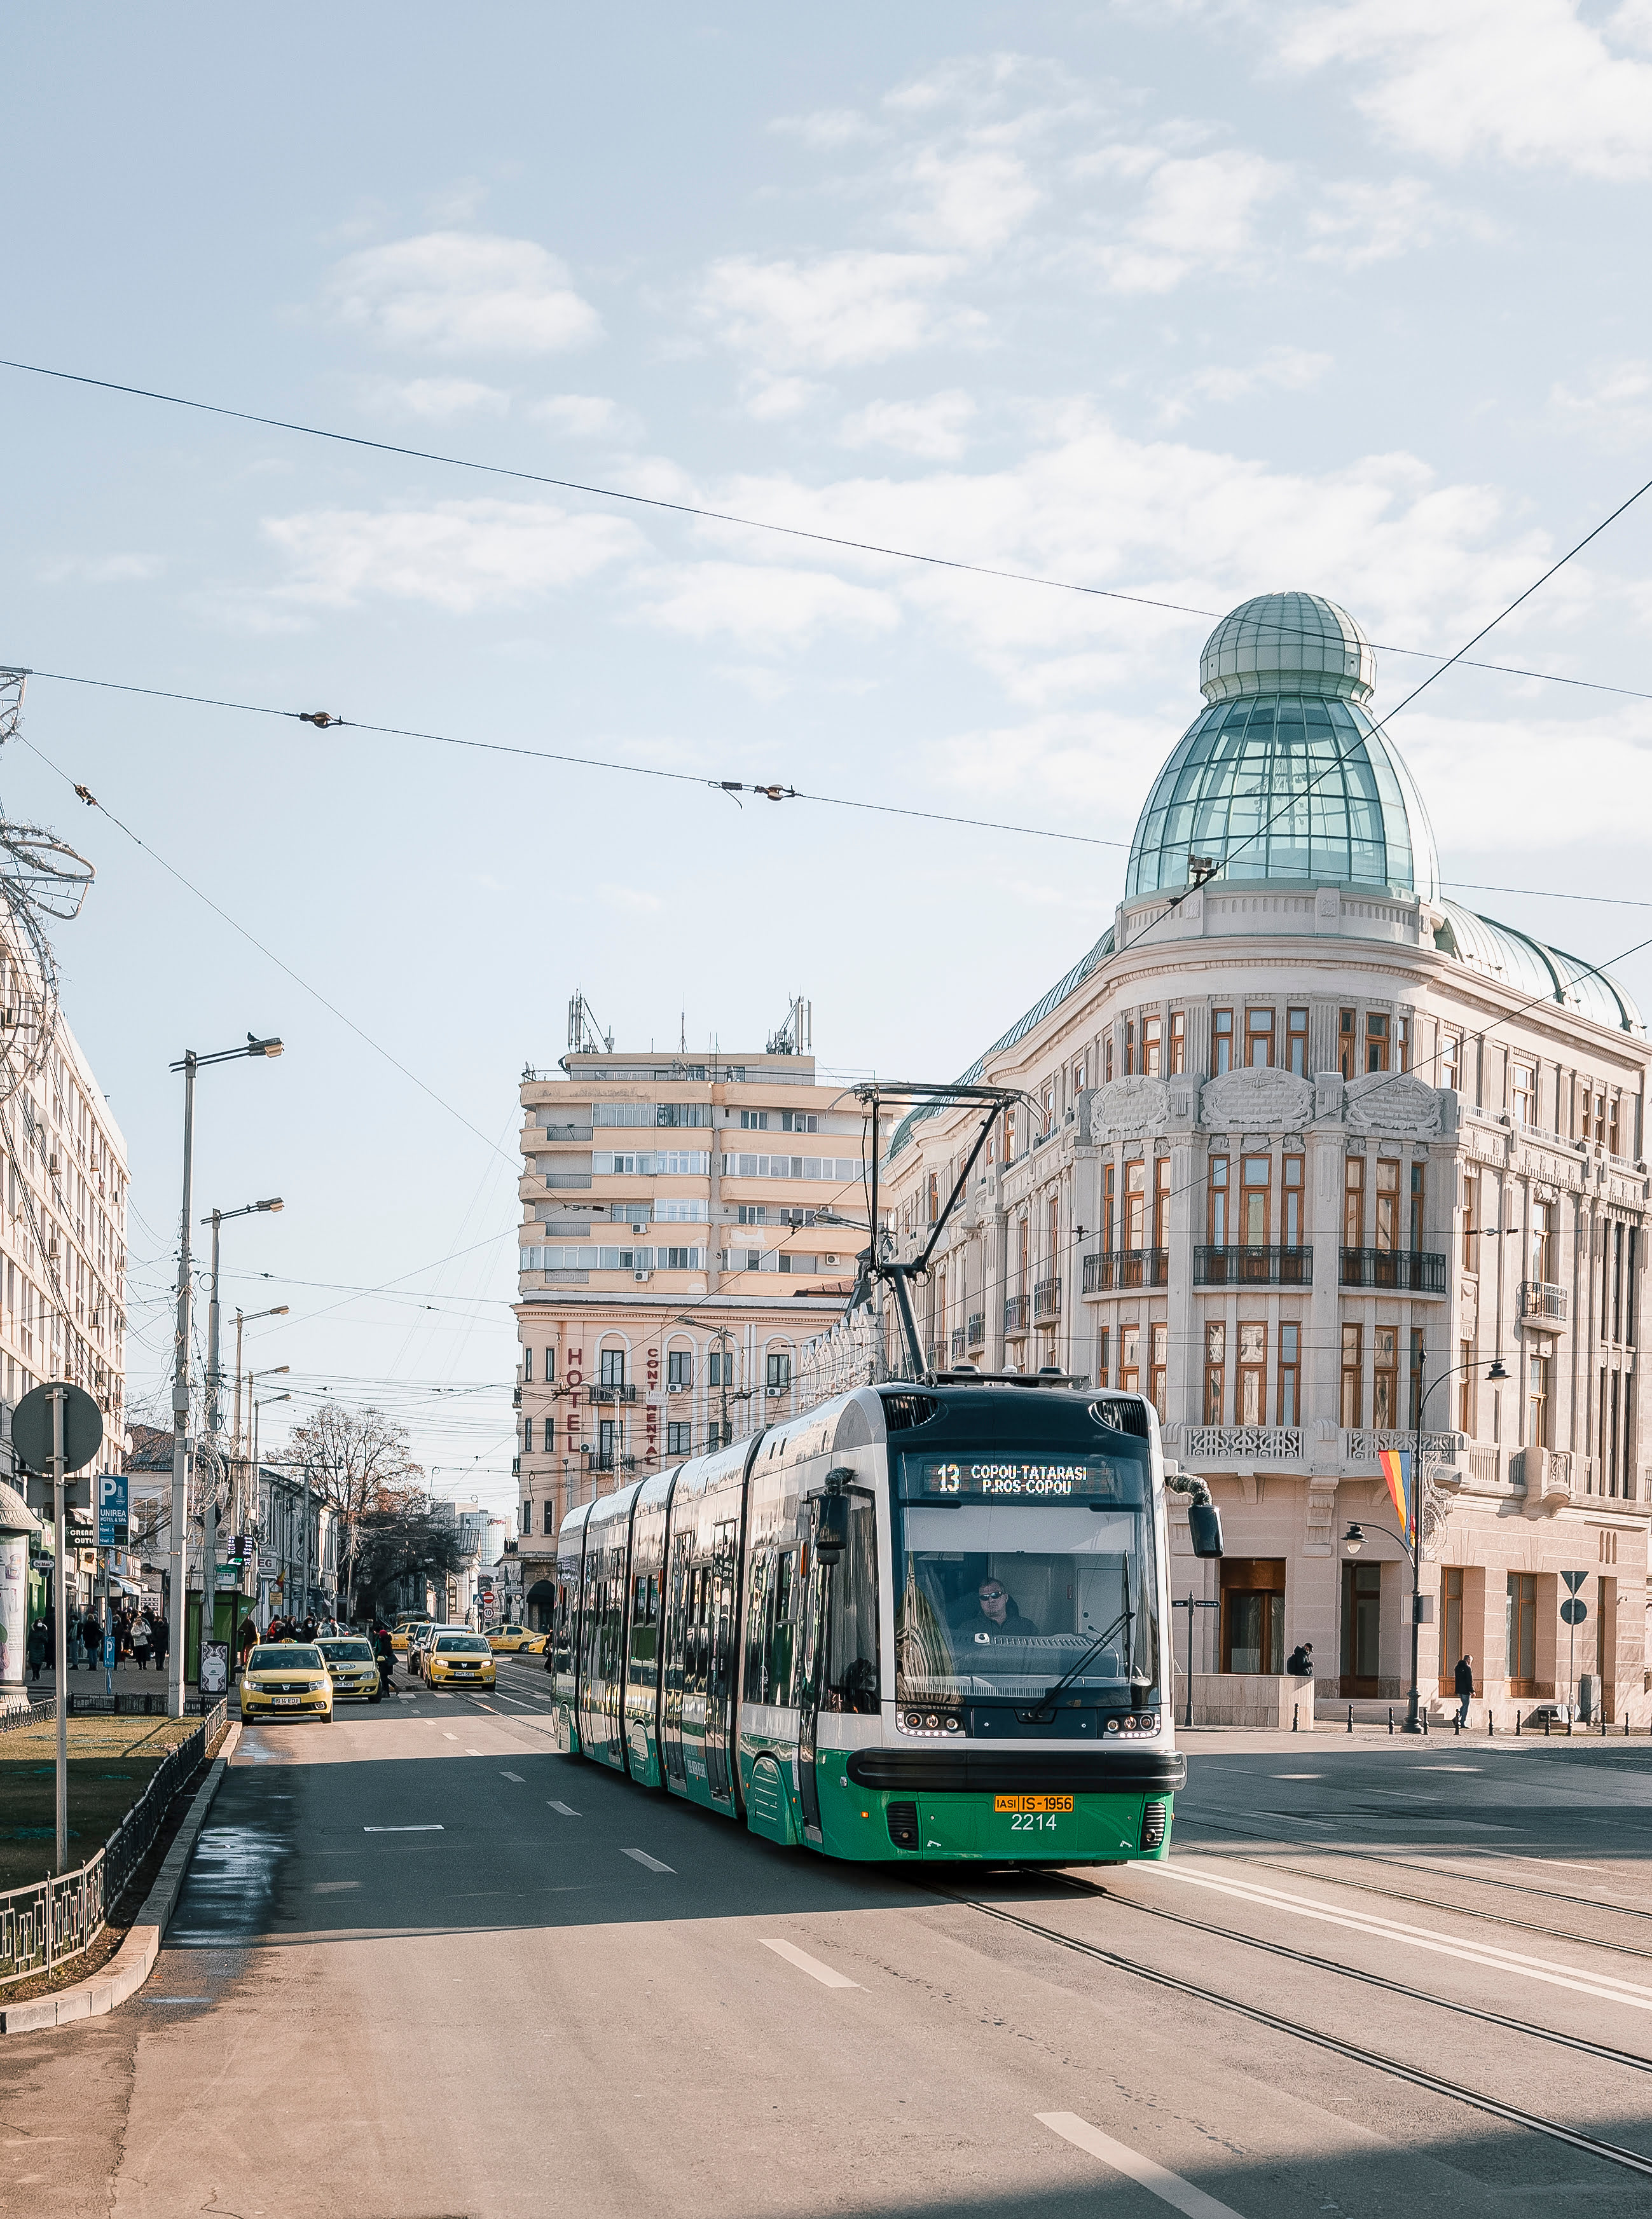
x=1411 y=1540
x=182 y=1354
x=257 y=1407
x=214 y=1422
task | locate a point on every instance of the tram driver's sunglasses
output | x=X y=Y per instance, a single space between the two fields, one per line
x=991 y=1594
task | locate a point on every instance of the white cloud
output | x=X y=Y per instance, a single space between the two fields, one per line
x=836 y=312
x=1194 y=212
x=1616 y=407
x=933 y=428
x=974 y=199
x=772 y=399
x=586 y=416
x=434 y=399
x=100 y=570
x=459 y=292
x=1353 y=222
x=635 y=901
x=1282 y=369
x=460 y=556
x=826 y=128
x=1479 y=775
x=765 y=608
x=1528 y=80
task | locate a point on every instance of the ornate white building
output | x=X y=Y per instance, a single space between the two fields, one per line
x=1300 y=1133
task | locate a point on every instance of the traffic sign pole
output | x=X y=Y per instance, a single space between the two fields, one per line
x=62 y=1586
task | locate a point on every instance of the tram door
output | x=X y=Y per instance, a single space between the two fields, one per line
x=677 y=1638
x=720 y=1614
x=813 y=1660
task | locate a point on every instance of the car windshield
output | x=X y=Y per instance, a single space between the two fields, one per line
x=461 y=1645
x=346 y=1652
x=1017 y=1574
x=288 y=1656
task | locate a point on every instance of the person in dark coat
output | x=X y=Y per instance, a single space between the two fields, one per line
x=1298 y=1665
x=1463 y=1681
x=996 y=1615
x=163 y=1640
x=39 y=1646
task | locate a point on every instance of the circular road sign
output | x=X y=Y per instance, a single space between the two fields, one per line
x=31 y=1427
x=1573 y=1611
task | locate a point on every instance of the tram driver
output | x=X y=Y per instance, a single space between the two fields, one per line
x=996 y=1615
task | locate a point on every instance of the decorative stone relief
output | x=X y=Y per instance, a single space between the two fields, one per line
x=1184 y=1096
x=1268 y=1098
x=1328 y=1093
x=1137 y=1104
x=1394 y=1102
x=1320 y=1517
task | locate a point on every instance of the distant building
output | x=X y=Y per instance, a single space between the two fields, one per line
x=688 y=1223
x=1308 y=1149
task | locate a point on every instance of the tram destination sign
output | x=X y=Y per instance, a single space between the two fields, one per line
x=1021 y=1479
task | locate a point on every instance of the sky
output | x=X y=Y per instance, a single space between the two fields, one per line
x=1181 y=301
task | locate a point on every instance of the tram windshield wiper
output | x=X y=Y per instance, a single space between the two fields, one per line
x=1125 y=1618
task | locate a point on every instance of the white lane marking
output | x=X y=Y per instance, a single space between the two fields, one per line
x=517 y=1776
x=446 y=1736
x=1299 y=1776
x=442 y=1695
x=402 y=1829
x=1604 y=1986
x=333 y=1887
x=805 y=1963
x=472 y=1752
x=1169 y=2187
x=566 y=1809
x=643 y=1858
x=407 y=1699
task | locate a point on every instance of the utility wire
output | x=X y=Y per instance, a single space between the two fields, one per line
x=724 y=516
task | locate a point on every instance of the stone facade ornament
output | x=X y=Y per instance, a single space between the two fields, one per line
x=1266 y=1099
x=1394 y=1102
x=1328 y=1092
x=1137 y=1104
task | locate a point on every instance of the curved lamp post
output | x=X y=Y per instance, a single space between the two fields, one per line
x=1411 y=1540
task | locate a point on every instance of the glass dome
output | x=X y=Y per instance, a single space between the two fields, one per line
x=1283 y=776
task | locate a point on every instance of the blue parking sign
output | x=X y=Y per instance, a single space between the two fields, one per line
x=111 y=1509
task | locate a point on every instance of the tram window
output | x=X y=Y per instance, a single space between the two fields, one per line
x=852 y=1681
x=645 y=1611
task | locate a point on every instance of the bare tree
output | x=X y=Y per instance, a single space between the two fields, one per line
x=358 y=1464
x=406 y=1534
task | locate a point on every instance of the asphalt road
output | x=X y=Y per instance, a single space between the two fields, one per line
x=424 y=1968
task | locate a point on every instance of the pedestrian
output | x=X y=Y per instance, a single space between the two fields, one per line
x=1463 y=1681
x=141 y=1637
x=384 y=1650
x=249 y=1636
x=1298 y=1665
x=39 y=1646
x=91 y=1633
x=163 y=1640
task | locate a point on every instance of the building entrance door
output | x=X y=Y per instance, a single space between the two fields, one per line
x=1253 y=1614
x=1362 y=1628
x=1522 y=1633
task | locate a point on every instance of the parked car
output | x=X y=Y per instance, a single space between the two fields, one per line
x=509 y=1639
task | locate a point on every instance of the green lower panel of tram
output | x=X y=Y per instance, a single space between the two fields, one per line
x=997 y=1829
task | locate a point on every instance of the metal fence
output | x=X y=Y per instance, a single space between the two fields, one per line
x=55 y=1918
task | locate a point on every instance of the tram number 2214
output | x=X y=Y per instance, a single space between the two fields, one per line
x=1032 y=1814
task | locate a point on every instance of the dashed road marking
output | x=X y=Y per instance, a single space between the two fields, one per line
x=643 y=1858
x=404 y=1830
x=517 y=1776
x=566 y=1809
x=804 y=1962
x=1169 y=2187
x=446 y=1736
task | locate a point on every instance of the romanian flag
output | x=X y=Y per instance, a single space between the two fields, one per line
x=1396 y=1470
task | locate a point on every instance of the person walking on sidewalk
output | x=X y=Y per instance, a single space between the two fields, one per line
x=91 y=1635
x=1463 y=1681
x=163 y=1638
x=38 y=1645
x=140 y=1638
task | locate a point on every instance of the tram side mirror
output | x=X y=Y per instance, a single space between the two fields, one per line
x=831 y=1527
x=1205 y=1526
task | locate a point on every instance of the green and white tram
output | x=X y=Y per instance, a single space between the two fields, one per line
x=918 y=1622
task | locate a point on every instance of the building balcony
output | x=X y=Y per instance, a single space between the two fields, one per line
x=1111 y=1270
x=1015 y=1313
x=538 y=1135
x=1542 y=1303
x=958 y=1343
x=1242 y=1444
x=601 y=1460
x=1244 y=1265
x=1397 y=1270
x=975 y=1331
x=626 y=1394
x=1046 y=1299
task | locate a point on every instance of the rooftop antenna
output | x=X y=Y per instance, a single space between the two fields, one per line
x=682 y=1033
x=794 y=1036
x=584 y=1035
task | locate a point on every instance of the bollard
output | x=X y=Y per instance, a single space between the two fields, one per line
x=1456 y=1724
x=1517 y=1721
x=1423 y=1714
x=1294 y=1709
x=1490 y=1728
x=1351 y=1718
x=1625 y=1728
x=1545 y=1725
x=1391 y=1718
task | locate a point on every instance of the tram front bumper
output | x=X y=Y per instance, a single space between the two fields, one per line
x=880 y=1803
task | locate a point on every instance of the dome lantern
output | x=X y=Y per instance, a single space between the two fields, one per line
x=1287 y=643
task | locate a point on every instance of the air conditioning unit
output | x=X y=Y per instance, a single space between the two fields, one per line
x=643 y=1227
x=772 y=1391
x=642 y=1278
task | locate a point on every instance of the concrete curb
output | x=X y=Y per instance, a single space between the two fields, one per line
x=135 y=1960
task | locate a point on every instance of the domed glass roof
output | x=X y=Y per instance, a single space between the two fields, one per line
x=1284 y=776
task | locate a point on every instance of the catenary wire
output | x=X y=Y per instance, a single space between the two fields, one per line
x=720 y=516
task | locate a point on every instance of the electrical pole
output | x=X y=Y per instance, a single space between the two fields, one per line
x=181 y=1412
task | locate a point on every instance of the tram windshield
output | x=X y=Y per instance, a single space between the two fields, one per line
x=1017 y=1576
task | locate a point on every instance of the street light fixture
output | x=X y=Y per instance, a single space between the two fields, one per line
x=182 y=1353
x=1411 y=1540
x=217 y=1218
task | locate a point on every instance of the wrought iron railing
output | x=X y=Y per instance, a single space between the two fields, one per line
x=1244 y=1265
x=626 y=1394
x=958 y=1342
x=1046 y=1299
x=54 y=1918
x=1111 y=1270
x=975 y=1331
x=1271 y=1444
x=1403 y=1270
x=1366 y=1443
x=1540 y=1299
x=1015 y=1313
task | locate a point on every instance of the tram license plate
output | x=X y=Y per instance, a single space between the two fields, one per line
x=1032 y=1802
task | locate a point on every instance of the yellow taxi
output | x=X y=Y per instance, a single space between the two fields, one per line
x=510 y=1639
x=402 y=1626
x=286 y=1679
x=352 y=1666
x=459 y=1659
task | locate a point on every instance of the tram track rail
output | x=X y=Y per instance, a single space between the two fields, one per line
x=1396 y=2068
x=1438 y=1903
